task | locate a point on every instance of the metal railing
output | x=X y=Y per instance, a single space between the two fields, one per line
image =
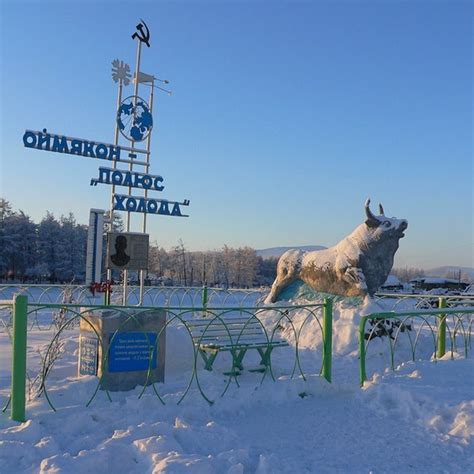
x=403 y=301
x=163 y=296
x=288 y=322
x=18 y=317
x=433 y=324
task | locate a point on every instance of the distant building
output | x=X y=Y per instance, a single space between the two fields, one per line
x=432 y=283
x=392 y=284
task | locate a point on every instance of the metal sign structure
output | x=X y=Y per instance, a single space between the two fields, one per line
x=134 y=124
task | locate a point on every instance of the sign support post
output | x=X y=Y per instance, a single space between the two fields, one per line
x=130 y=167
x=147 y=168
x=114 y=167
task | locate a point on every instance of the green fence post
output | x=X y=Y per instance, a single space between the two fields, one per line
x=327 y=339
x=442 y=329
x=18 y=394
x=204 y=299
x=362 y=372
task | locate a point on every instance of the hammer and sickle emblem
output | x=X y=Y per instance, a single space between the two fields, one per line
x=142 y=33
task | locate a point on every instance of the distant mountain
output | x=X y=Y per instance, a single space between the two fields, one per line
x=276 y=252
x=449 y=271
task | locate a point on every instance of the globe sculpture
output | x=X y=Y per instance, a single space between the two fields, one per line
x=134 y=119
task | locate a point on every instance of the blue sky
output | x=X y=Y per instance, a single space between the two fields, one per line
x=284 y=116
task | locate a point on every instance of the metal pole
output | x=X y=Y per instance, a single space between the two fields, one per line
x=204 y=296
x=204 y=300
x=111 y=213
x=135 y=93
x=147 y=168
x=327 y=338
x=441 y=329
x=18 y=400
x=148 y=146
x=116 y=139
x=130 y=167
x=362 y=371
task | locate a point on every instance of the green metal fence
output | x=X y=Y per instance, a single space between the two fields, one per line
x=405 y=301
x=277 y=323
x=279 y=328
x=156 y=296
x=436 y=324
x=169 y=296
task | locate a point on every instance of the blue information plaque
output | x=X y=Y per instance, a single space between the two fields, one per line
x=87 y=355
x=130 y=351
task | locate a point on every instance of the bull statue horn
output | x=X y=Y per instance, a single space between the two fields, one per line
x=381 y=210
x=368 y=212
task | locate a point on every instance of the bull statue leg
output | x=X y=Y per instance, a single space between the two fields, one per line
x=355 y=278
x=288 y=270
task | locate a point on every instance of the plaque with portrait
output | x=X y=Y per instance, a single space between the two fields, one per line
x=127 y=251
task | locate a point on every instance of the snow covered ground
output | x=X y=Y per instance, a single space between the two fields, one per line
x=419 y=418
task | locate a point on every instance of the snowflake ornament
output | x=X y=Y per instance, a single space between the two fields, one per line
x=121 y=71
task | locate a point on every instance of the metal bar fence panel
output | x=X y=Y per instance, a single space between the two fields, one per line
x=405 y=301
x=254 y=334
x=436 y=323
x=153 y=295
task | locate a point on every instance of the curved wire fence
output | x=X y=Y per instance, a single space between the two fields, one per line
x=163 y=296
x=50 y=293
x=212 y=348
x=6 y=310
x=407 y=301
x=405 y=330
x=243 y=341
x=196 y=297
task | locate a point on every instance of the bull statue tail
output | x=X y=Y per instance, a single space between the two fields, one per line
x=288 y=271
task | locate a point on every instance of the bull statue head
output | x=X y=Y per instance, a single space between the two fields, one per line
x=382 y=226
x=358 y=265
x=378 y=240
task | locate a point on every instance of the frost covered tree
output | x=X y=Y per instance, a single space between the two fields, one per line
x=117 y=223
x=49 y=234
x=230 y=267
x=55 y=250
x=158 y=260
x=406 y=274
x=179 y=261
x=51 y=250
x=5 y=212
x=18 y=243
x=70 y=249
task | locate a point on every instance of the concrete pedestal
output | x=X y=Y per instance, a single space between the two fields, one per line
x=127 y=344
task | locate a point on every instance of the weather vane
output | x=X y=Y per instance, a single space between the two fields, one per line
x=121 y=72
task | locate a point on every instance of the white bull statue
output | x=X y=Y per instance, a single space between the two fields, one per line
x=358 y=265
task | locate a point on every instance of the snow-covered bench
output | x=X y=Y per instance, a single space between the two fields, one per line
x=234 y=335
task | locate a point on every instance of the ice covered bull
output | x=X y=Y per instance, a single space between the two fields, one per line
x=358 y=265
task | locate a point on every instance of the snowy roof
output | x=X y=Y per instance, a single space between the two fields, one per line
x=434 y=280
x=392 y=280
